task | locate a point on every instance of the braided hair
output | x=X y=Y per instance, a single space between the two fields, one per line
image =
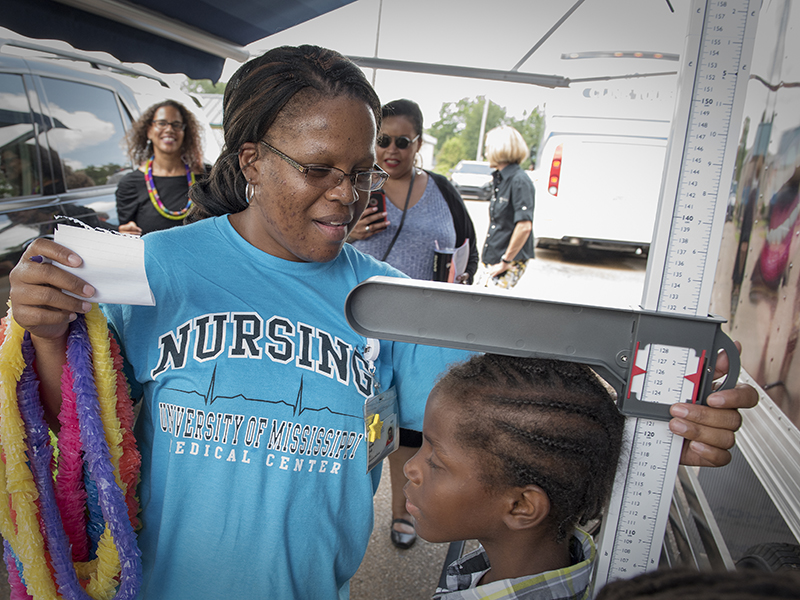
x=281 y=83
x=543 y=422
x=687 y=584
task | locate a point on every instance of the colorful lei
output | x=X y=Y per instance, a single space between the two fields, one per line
x=174 y=215
x=43 y=517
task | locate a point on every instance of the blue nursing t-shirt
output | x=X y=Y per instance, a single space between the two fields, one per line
x=254 y=481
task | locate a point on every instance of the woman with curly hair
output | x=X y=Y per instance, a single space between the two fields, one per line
x=165 y=143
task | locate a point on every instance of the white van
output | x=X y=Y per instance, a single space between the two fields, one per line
x=597 y=183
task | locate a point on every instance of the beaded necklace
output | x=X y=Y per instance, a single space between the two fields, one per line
x=96 y=418
x=173 y=215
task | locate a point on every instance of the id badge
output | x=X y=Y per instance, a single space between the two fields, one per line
x=381 y=426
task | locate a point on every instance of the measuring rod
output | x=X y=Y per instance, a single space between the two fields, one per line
x=715 y=68
x=654 y=357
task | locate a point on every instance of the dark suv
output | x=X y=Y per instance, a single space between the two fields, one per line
x=62 y=130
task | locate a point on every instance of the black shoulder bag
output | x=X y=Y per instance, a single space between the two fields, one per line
x=403 y=218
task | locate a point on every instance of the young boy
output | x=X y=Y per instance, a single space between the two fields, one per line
x=516 y=453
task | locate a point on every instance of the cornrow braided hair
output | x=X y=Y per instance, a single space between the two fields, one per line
x=686 y=584
x=543 y=422
x=280 y=84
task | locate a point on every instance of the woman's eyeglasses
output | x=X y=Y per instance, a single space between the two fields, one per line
x=401 y=141
x=162 y=125
x=330 y=177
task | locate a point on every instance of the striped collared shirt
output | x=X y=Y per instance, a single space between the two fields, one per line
x=570 y=583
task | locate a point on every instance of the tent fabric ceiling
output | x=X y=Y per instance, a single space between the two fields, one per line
x=239 y=22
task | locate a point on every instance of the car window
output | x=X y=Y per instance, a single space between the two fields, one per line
x=87 y=132
x=476 y=169
x=19 y=162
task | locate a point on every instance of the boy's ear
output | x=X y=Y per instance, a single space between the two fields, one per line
x=528 y=507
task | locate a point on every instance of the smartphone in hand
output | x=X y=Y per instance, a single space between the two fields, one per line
x=377 y=199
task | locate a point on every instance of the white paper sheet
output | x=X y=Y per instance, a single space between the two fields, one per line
x=113 y=264
x=460 y=260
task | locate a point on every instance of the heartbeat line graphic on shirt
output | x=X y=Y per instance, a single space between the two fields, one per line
x=298 y=408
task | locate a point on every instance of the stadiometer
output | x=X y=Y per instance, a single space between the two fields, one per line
x=661 y=353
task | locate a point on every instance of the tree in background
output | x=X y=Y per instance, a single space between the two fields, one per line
x=459 y=126
x=531 y=126
x=462 y=121
x=451 y=152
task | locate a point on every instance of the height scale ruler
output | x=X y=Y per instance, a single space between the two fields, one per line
x=655 y=357
x=714 y=74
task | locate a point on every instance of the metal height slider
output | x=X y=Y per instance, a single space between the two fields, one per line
x=621 y=345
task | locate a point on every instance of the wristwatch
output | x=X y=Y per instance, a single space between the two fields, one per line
x=503 y=258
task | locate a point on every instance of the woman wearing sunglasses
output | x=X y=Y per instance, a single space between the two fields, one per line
x=165 y=143
x=422 y=209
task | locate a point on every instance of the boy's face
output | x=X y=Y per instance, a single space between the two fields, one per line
x=444 y=493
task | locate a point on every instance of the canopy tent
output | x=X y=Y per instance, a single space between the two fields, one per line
x=178 y=36
x=194 y=37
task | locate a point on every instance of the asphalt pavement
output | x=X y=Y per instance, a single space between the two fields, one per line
x=596 y=279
